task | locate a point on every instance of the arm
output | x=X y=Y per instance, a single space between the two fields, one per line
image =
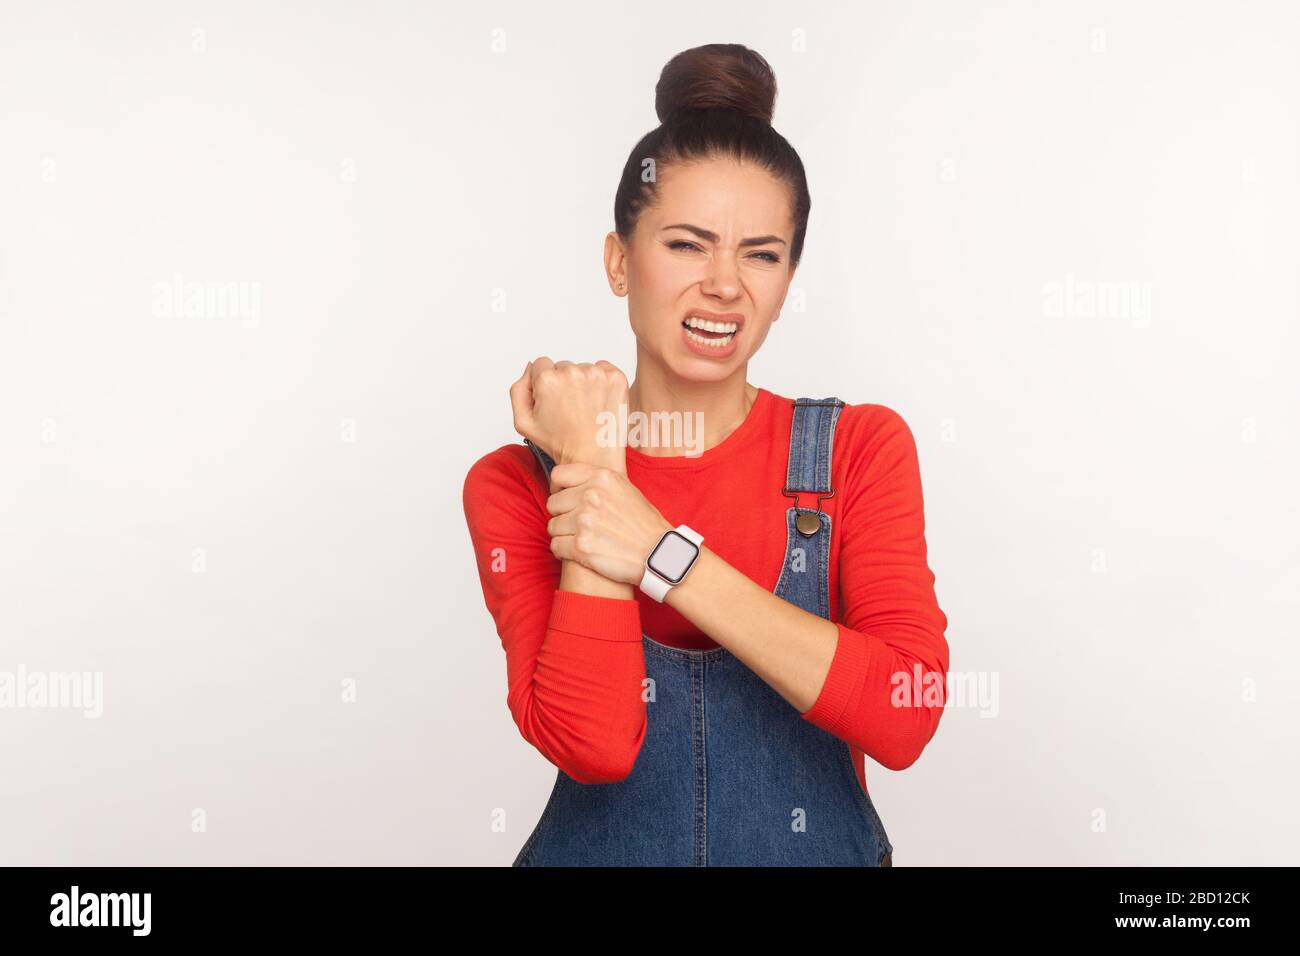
x=583 y=391
x=573 y=660
x=839 y=676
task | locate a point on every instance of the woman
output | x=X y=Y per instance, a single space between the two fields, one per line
x=706 y=635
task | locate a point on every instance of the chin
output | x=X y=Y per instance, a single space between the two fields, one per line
x=691 y=369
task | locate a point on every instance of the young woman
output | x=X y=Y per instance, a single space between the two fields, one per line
x=707 y=636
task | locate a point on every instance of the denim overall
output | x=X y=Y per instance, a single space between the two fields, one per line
x=729 y=773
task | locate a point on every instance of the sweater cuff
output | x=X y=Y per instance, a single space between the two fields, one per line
x=843 y=684
x=589 y=615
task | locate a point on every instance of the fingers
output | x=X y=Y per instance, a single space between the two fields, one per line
x=574 y=371
x=561 y=524
x=566 y=499
x=550 y=400
x=522 y=395
x=613 y=370
x=541 y=364
x=565 y=547
x=572 y=473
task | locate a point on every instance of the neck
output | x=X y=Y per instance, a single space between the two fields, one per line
x=723 y=405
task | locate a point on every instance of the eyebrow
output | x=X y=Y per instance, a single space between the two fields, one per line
x=713 y=236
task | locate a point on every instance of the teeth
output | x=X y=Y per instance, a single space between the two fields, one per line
x=711 y=343
x=695 y=322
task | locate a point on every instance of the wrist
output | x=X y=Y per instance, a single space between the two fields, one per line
x=680 y=596
x=612 y=458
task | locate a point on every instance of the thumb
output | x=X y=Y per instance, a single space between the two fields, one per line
x=521 y=401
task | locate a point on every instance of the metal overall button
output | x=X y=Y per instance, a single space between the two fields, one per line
x=808 y=524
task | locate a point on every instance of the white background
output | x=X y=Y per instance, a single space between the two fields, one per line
x=420 y=197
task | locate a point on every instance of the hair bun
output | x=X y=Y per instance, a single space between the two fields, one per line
x=716 y=76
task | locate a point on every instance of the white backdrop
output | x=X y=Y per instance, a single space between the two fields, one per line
x=266 y=274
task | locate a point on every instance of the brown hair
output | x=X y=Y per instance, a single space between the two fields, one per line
x=713 y=100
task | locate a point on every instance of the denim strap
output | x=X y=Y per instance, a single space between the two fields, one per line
x=812 y=436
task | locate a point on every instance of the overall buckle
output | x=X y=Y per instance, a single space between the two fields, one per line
x=808 y=525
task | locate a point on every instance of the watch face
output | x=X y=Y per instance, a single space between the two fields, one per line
x=673 y=557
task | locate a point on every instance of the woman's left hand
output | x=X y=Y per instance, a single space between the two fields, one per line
x=602 y=521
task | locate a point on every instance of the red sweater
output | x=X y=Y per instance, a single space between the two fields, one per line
x=571 y=658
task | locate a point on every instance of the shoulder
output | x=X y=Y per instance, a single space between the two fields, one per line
x=509 y=463
x=873 y=423
x=509 y=473
x=872 y=441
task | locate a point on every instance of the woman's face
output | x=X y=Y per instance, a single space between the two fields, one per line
x=717 y=241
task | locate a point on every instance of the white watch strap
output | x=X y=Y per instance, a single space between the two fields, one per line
x=655 y=586
x=651 y=583
x=690 y=533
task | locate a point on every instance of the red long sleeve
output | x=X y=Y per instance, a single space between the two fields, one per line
x=890 y=621
x=574 y=662
x=574 y=666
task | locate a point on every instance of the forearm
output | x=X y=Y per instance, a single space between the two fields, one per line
x=574 y=662
x=583 y=709
x=579 y=702
x=783 y=644
x=839 y=679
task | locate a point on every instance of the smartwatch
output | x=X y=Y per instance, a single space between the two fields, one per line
x=674 y=555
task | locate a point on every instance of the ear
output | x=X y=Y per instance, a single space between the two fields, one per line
x=615 y=264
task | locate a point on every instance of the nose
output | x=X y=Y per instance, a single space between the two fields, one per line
x=723 y=279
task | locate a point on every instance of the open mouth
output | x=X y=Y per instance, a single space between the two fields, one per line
x=709 y=333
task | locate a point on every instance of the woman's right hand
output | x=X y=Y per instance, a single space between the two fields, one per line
x=571 y=411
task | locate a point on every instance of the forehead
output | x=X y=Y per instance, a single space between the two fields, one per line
x=725 y=196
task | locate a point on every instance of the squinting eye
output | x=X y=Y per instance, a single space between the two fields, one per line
x=682 y=243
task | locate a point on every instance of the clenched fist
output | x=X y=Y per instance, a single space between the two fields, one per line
x=563 y=408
